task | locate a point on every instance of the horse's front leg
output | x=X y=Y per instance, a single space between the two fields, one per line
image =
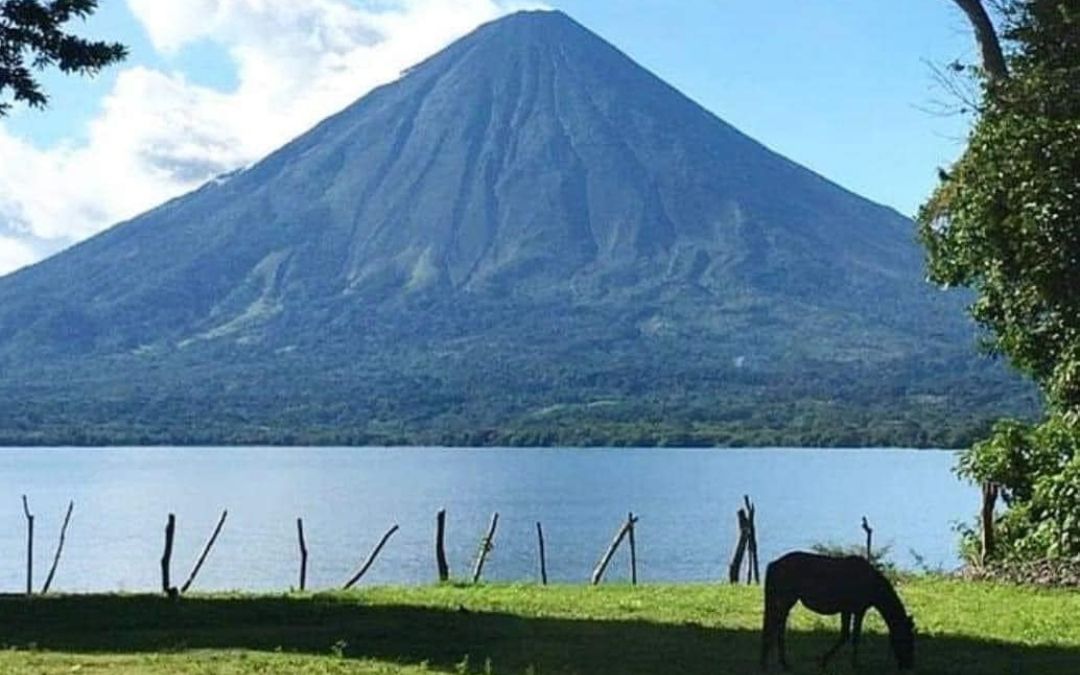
x=856 y=633
x=845 y=631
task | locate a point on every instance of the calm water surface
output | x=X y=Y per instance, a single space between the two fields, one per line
x=686 y=500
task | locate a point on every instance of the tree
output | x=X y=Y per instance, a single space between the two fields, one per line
x=1005 y=222
x=32 y=38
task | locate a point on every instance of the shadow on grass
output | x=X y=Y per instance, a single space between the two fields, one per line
x=446 y=639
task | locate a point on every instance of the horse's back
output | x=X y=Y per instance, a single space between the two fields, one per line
x=827 y=584
x=804 y=562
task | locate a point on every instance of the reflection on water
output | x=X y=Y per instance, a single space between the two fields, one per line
x=686 y=500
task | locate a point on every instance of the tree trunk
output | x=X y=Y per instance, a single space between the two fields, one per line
x=993 y=59
x=990 y=493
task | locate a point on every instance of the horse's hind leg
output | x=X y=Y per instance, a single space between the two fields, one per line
x=856 y=633
x=782 y=635
x=845 y=632
x=768 y=631
x=766 y=635
x=772 y=630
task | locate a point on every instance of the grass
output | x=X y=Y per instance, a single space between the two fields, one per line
x=965 y=628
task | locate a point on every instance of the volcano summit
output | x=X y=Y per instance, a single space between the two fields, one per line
x=528 y=238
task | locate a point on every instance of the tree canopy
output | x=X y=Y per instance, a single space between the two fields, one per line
x=33 y=37
x=1005 y=222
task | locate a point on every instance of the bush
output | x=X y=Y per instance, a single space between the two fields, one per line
x=879 y=556
x=1038 y=470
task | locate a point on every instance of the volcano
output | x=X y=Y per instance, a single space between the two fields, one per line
x=526 y=239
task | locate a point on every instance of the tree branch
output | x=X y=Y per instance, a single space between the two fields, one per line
x=992 y=56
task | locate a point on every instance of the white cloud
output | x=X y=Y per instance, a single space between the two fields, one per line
x=159 y=135
x=14 y=254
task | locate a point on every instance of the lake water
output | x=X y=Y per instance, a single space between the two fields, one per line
x=686 y=501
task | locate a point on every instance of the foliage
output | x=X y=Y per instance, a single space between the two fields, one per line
x=692 y=629
x=32 y=37
x=620 y=398
x=880 y=556
x=1005 y=222
x=520 y=373
x=1038 y=469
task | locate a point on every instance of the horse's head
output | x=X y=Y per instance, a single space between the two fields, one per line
x=902 y=638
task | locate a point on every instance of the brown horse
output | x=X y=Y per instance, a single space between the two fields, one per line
x=847 y=586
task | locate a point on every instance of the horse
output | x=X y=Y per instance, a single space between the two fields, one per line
x=847 y=586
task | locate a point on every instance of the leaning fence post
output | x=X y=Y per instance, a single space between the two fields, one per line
x=869 y=539
x=740 y=547
x=29 y=547
x=206 y=552
x=440 y=549
x=543 y=560
x=371 y=558
x=166 y=558
x=303 y=553
x=486 y=544
x=598 y=573
x=59 y=548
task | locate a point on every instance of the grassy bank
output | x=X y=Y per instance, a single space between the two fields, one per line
x=964 y=628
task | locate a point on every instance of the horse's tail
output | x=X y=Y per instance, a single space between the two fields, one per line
x=770 y=575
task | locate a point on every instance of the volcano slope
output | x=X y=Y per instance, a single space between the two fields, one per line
x=526 y=239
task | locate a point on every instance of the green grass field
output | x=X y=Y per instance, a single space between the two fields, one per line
x=964 y=627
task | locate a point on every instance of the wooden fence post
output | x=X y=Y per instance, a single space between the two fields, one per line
x=869 y=539
x=543 y=560
x=166 y=558
x=753 y=572
x=303 y=553
x=601 y=567
x=740 y=548
x=206 y=552
x=371 y=558
x=29 y=547
x=440 y=548
x=633 y=549
x=59 y=548
x=486 y=544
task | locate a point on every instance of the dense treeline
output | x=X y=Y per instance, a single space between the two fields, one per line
x=534 y=402
x=876 y=433
x=452 y=372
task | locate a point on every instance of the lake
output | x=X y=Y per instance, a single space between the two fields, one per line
x=686 y=501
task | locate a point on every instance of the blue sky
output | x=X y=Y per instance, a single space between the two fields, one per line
x=842 y=86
